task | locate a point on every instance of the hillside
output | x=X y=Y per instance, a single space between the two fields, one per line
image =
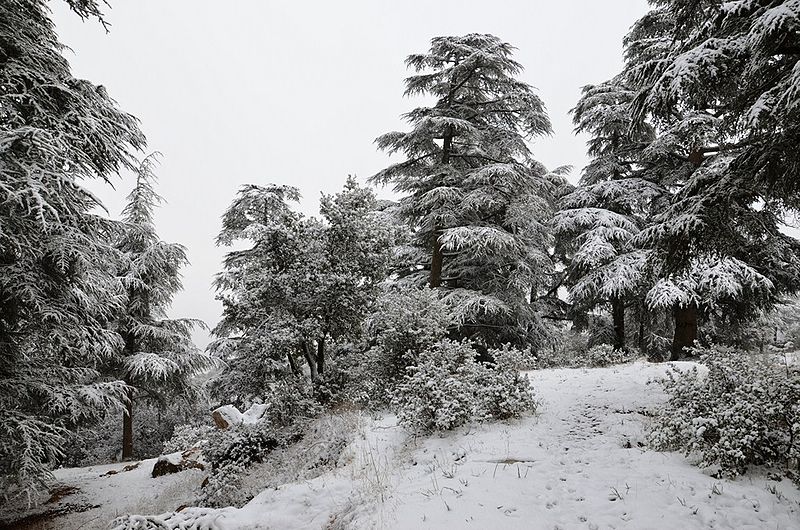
x=580 y=462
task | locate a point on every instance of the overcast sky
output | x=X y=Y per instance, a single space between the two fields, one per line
x=295 y=92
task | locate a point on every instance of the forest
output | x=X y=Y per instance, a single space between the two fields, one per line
x=493 y=300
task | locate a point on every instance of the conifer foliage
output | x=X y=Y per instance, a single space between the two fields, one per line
x=476 y=199
x=58 y=291
x=158 y=359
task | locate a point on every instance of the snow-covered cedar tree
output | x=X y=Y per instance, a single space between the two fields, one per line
x=476 y=200
x=58 y=291
x=300 y=284
x=404 y=322
x=718 y=82
x=598 y=220
x=158 y=358
x=744 y=411
x=448 y=388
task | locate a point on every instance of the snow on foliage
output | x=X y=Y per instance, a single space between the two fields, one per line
x=57 y=281
x=448 y=388
x=744 y=411
x=709 y=282
x=477 y=201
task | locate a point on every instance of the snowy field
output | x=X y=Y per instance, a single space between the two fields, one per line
x=580 y=463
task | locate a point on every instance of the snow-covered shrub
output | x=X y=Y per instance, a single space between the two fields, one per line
x=230 y=452
x=185 y=437
x=290 y=400
x=503 y=392
x=404 y=323
x=744 y=411
x=605 y=355
x=448 y=388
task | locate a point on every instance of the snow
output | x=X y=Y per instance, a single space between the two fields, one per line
x=112 y=491
x=233 y=416
x=580 y=462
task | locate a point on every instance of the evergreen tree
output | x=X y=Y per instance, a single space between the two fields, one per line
x=158 y=358
x=721 y=100
x=58 y=292
x=608 y=208
x=477 y=201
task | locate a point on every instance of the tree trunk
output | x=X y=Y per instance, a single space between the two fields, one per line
x=292 y=364
x=311 y=360
x=618 y=319
x=685 y=330
x=437 y=260
x=127 y=428
x=321 y=356
x=642 y=316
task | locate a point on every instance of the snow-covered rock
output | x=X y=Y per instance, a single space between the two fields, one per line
x=228 y=415
x=177 y=462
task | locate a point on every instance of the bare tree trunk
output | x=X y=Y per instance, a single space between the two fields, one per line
x=618 y=319
x=292 y=363
x=127 y=417
x=321 y=355
x=685 y=330
x=437 y=260
x=642 y=316
x=311 y=360
x=127 y=428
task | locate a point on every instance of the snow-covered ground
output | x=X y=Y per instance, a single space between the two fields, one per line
x=580 y=463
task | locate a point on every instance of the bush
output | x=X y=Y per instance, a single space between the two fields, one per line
x=744 y=411
x=185 y=437
x=605 y=355
x=404 y=323
x=231 y=452
x=448 y=388
x=575 y=355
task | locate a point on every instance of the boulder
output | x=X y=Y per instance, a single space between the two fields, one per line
x=177 y=462
x=228 y=415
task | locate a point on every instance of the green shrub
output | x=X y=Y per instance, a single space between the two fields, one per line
x=448 y=388
x=745 y=411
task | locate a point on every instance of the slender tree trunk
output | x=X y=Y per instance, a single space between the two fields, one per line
x=685 y=330
x=127 y=428
x=321 y=355
x=642 y=316
x=127 y=417
x=292 y=363
x=311 y=360
x=618 y=319
x=437 y=260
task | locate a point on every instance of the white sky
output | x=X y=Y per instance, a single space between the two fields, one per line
x=295 y=92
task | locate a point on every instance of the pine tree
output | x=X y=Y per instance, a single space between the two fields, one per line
x=476 y=199
x=58 y=292
x=158 y=359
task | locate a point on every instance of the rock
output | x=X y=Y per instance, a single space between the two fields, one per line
x=228 y=415
x=166 y=465
x=177 y=462
x=225 y=416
